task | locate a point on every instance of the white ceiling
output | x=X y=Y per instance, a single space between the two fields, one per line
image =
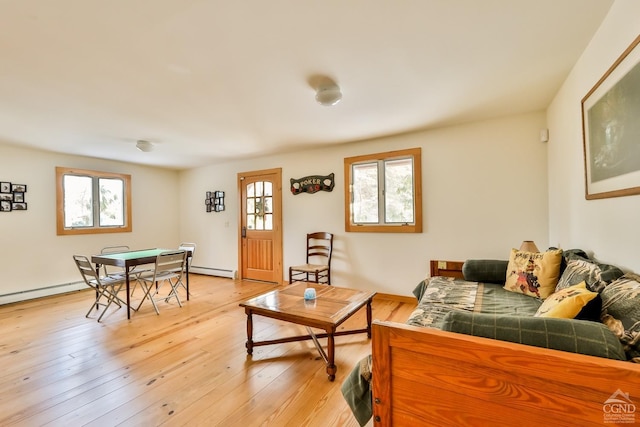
x=212 y=80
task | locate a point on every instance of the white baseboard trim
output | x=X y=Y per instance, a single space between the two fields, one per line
x=41 y=292
x=213 y=271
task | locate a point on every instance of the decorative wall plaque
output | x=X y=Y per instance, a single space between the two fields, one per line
x=312 y=184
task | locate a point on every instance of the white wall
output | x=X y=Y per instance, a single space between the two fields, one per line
x=607 y=228
x=484 y=191
x=32 y=256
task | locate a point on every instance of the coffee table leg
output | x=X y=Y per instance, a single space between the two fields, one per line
x=369 y=319
x=249 y=343
x=331 y=366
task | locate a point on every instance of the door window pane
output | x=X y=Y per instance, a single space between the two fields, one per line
x=251 y=222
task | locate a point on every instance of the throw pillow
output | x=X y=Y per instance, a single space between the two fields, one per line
x=578 y=271
x=533 y=273
x=567 y=302
x=621 y=312
x=576 y=336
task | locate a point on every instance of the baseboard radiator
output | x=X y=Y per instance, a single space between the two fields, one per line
x=41 y=292
x=213 y=271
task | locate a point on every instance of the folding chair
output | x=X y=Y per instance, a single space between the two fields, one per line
x=113 y=250
x=134 y=273
x=169 y=268
x=191 y=250
x=106 y=288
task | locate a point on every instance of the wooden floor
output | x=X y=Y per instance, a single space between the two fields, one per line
x=187 y=366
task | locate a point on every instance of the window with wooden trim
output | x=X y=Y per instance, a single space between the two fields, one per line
x=383 y=192
x=92 y=202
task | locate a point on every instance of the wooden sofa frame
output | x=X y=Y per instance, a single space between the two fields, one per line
x=424 y=376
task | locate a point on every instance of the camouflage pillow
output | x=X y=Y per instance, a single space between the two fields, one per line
x=621 y=312
x=577 y=271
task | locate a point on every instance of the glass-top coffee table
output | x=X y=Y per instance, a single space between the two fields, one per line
x=331 y=307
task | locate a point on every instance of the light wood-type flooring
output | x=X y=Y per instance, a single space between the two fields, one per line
x=186 y=366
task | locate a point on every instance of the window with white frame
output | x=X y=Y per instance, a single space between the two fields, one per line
x=91 y=202
x=383 y=192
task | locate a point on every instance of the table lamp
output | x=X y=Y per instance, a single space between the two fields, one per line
x=528 y=246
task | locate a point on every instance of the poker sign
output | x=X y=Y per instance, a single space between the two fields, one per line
x=312 y=184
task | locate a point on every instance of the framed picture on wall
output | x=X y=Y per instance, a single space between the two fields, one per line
x=5 y=206
x=611 y=129
x=18 y=188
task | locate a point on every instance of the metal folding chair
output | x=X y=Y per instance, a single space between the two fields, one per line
x=106 y=287
x=169 y=268
x=191 y=251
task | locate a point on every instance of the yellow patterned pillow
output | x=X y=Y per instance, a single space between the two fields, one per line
x=567 y=302
x=533 y=273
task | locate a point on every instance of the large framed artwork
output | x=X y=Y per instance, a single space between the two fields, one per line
x=611 y=129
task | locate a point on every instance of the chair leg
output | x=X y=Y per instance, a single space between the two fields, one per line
x=174 y=291
x=147 y=294
x=113 y=295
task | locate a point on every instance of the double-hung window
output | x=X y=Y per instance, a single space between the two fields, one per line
x=91 y=202
x=383 y=192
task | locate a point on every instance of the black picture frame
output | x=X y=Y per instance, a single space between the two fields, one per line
x=5 y=187
x=18 y=197
x=18 y=188
x=18 y=206
x=5 y=206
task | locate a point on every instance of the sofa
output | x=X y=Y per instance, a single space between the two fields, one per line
x=542 y=338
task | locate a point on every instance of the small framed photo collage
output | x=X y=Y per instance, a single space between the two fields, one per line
x=214 y=201
x=12 y=197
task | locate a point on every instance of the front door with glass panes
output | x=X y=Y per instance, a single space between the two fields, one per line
x=261 y=225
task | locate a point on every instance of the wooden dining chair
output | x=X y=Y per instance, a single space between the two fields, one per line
x=318 y=266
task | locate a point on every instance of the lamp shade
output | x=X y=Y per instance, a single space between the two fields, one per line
x=528 y=246
x=328 y=95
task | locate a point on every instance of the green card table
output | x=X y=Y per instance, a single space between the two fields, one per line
x=331 y=307
x=129 y=259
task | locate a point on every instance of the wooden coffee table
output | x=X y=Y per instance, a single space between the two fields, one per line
x=331 y=307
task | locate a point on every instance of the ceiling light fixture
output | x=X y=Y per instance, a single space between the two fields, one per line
x=144 y=146
x=328 y=94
